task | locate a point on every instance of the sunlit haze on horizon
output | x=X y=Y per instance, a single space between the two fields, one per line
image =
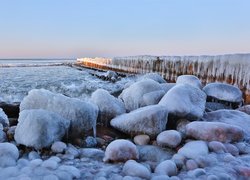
x=70 y=29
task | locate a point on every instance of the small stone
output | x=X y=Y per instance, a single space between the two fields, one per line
x=142 y=139
x=90 y=141
x=120 y=150
x=132 y=168
x=196 y=173
x=58 y=147
x=167 y=167
x=230 y=148
x=217 y=147
x=170 y=138
x=194 y=149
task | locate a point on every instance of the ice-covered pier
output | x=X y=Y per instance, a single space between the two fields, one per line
x=233 y=68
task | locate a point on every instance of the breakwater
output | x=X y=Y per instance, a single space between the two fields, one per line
x=233 y=69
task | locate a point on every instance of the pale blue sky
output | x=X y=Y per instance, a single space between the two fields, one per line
x=77 y=28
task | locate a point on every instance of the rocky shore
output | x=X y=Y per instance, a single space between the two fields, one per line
x=152 y=130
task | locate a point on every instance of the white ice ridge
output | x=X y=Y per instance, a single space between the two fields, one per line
x=230 y=68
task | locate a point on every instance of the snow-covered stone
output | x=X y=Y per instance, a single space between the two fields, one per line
x=232 y=117
x=71 y=170
x=150 y=120
x=222 y=91
x=194 y=149
x=90 y=141
x=132 y=168
x=92 y=153
x=152 y=98
x=214 y=131
x=232 y=149
x=3 y=118
x=184 y=100
x=169 y=138
x=167 y=167
x=154 y=76
x=82 y=115
x=133 y=95
x=160 y=177
x=50 y=164
x=109 y=106
x=39 y=128
x=141 y=139
x=152 y=153
x=167 y=86
x=120 y=150
x=58 y=147
x=189 y=79
x=8 y=154
x=33 y=155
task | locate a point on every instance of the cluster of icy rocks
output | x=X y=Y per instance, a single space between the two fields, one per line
x=180 y=131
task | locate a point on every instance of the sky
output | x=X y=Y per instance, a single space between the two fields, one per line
x=108 y=28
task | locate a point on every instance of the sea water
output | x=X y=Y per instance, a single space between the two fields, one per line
x=19 y=76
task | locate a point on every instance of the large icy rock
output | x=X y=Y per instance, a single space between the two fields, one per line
x=150 y=120
x=225 y=92
x=83 y=115
x=154 y=76
x=232 y=117
x=214 y=131
x=109 y=106
x=3 y=118
x=184 y=100
x=194 y=149
x=133 y=95
x=39 y=128
x=120 y=150
x=152 y=98
x=8 y=154
x=169 y=138
x=189 y=79
x=135 y=169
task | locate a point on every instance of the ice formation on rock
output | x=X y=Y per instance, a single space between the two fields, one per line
x=109 y=106
x=169 y=138
x=224 y=92
x=184 y=100
x=83 y=115
x=150 y=120
x=133 y=168
x=194 y=149
x=133 y=95
x=39 y=128
x=189 y=79
x=167 y=167
x=8 y=154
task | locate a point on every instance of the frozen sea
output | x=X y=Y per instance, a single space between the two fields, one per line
x=19 y=76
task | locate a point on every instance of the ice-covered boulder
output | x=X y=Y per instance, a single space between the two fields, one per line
x=169 y=138
x=150 y=120
x=232 y=117
x=224 y=92
x=120 y=150
x=154 y=76
x=194 y=149
x=3 y=118
x=214 y=131
x=109 y=106
x=135 y=169
x=189 y=79
x=39 y=128
x=184 y=100
x=152 y=98
x=133 y=95
x=58 y=147
x=83 y=115
x=8 y=154
x=167 y=167
x=167 y=86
